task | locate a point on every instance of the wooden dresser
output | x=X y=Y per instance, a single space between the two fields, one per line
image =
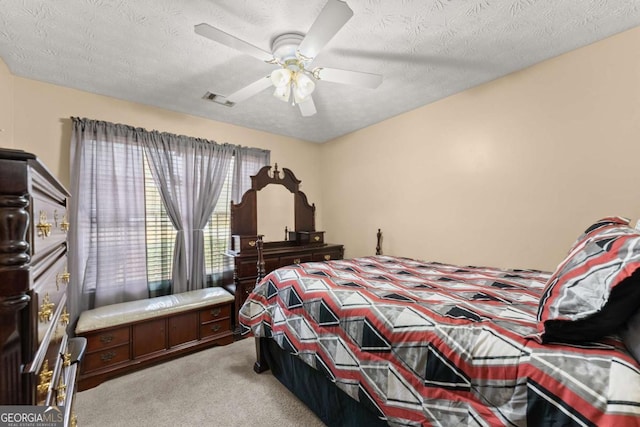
x=303 y=244
x=38 y=361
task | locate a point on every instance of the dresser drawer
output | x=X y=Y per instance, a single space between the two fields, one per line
x=243 y=243
x=294 y=259
x=104 y=358
x=57 y=395
x=327 y=255
x=108 y=338
x=49 y=225
x=49 y=293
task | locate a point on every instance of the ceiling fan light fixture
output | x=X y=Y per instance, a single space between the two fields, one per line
x=281 y=77
x=283 y=92
x=304 y=86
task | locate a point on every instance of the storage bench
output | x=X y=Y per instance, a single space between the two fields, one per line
x=125 y=337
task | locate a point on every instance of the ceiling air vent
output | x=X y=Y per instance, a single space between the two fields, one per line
x=218 y=99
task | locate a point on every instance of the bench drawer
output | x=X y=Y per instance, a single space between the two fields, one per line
x=107 y=338
x=215 y=313
x=106 y=357
x=215 y=328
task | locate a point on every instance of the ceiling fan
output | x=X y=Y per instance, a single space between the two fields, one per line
x=293 y=53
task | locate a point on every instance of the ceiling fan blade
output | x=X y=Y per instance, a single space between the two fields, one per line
x=356 y=78
x=307 y=107
x=228 y=40
x=248 y=91
x=332 y=17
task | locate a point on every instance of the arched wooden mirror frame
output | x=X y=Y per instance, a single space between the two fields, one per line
x=244 y=215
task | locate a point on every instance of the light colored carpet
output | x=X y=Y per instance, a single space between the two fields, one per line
x=214 y=387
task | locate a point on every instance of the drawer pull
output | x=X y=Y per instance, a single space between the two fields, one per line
x=61 y=392
x=43 y=226
x=62 y=278
x=296 y=261
x=105 y=357
x=46 y=309
x=64 y=225
x=252 y=243
x=247 y=291
x=316 y=238
x=216 y=328
x=44 y=378
x=66 y=359
x=64 y=317
x=327 y=257
x=106 y=339
x=216 y=312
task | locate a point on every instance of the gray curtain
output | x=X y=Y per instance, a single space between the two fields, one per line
x=107 y=236
x=190 y=175
x=248 y=161
x=107 y=216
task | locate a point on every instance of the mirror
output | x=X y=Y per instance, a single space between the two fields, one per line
x=275 y=211
x=273 y=202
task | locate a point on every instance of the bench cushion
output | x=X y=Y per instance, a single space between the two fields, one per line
x=132 y=311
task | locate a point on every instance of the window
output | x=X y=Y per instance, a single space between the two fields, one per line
x=122 y=237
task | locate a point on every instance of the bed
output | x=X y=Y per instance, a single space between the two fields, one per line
x=397 y=341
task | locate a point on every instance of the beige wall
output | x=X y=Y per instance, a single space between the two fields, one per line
x=505 y=174
x=41 y=125
x=6 y=106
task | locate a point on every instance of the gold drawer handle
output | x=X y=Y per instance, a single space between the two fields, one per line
x=64 y=225
x=327 y=257
x=247 y=291
x=64 y=317
x=216 y=312
x=296 y=261
x=106 y=339
x=66 y=359
x=61 y=392
x=63 y=277
x=43 y=226
x=216 y=328
x=105 y=357
x=252 y=243
x=316 y=238
x=46 y=309
x=44 y=378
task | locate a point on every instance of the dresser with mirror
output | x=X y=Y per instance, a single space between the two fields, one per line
x=275 y=211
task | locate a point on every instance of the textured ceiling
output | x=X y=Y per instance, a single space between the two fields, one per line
x=146 y=51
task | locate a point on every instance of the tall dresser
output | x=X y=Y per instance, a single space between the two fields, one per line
x=38 y=361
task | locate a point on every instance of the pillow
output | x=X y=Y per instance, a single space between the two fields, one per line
x=600 y=226
x=595 y=289
x=630 y=335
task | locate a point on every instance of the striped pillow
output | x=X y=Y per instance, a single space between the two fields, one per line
x=595 y=289
x=600 y=226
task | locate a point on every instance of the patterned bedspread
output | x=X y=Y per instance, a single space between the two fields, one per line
x=435 y=344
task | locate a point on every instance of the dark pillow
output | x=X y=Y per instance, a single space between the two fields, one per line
x=631 y=335
x=595 y=289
